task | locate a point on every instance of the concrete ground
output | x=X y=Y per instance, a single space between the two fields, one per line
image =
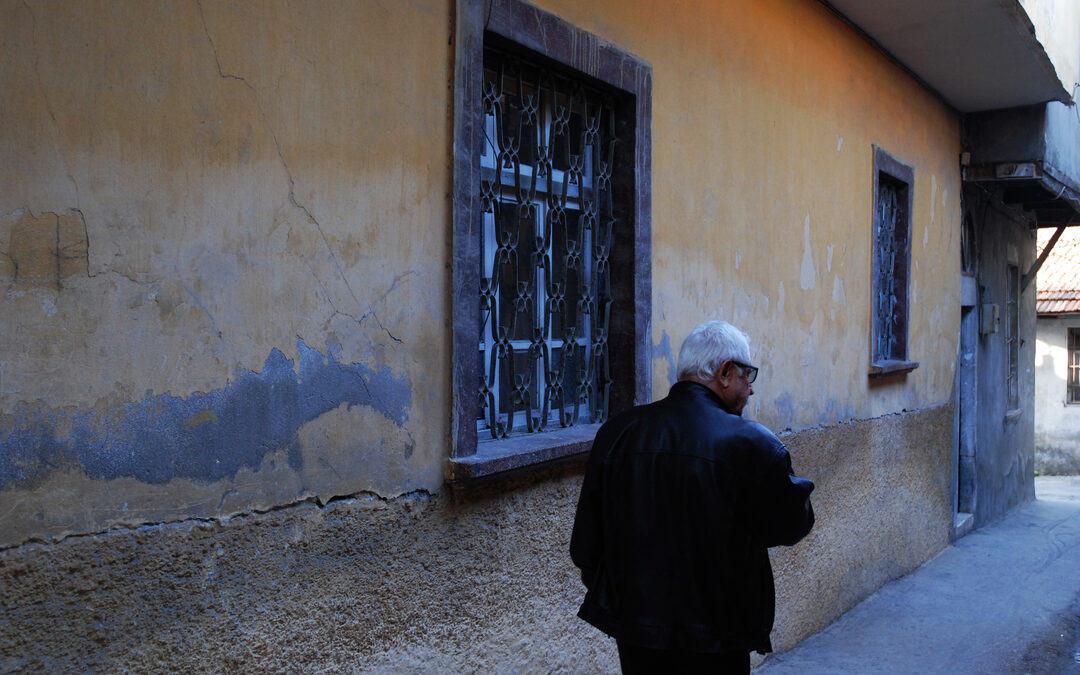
x=1003 y=599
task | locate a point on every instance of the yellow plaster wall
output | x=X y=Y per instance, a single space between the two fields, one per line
x=189 y=186
x=261 y=165
x=186 y=187
x=764 y=118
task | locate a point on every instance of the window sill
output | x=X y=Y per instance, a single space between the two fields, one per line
x=496 y=456
x=884 y=368
x=1012 y=415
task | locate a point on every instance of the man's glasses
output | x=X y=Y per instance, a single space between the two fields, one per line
x=749 y=372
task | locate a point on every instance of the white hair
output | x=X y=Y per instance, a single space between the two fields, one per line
x=707 y=347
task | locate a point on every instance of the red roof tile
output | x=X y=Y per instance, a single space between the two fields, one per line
x=1058 y=281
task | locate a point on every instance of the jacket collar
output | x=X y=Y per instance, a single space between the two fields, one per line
x=691 y=389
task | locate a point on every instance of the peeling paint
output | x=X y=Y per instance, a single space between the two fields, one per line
x=838 y=294
x=839 y=297
x=48 y=307
x=746 y=306
x=205 y=437
x=785 y=408
x=933 y=200
x=205 y=417
x=663 y=351
x=45 y=249
x=807 y=277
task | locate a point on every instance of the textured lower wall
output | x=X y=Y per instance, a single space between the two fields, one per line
x=420 y=583
x=450 y=583
x=883 y=507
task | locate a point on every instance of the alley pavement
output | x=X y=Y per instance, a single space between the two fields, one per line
x=1003 y=599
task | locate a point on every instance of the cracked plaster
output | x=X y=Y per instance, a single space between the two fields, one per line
x=249 y=143
x=277 y=434
x=239 y=180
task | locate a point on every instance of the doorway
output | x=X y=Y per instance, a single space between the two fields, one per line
x=967 y=415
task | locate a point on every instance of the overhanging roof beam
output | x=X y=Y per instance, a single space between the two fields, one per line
x=1030 y=275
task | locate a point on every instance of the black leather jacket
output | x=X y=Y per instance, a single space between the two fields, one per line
x=679 y=505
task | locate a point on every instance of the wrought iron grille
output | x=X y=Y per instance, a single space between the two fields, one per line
x=1012 y=334
x=548 y=223
x=1073 y=382
x=887 y=249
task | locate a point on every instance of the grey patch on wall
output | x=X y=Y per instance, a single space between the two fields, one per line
x=663 y=351
x=837 y=411
x=206 y=436
x=834 y=412
x=785 y=407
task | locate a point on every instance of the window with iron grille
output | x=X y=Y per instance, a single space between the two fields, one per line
x=548 y=212
x=551 y=236
x=1012 y=335
x=1072 y=382
x=891 y=265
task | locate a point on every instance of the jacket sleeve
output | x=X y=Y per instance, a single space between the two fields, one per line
x=587 y=540
x=784 y=514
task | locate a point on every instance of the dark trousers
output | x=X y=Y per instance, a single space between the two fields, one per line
x=637 y=660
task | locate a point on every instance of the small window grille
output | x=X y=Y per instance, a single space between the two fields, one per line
x=890 y=225
x=1073 y=380
x=548 y=223
x=1012 y=334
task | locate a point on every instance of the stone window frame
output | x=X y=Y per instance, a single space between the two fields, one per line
x=540 y=34
x=896 y=361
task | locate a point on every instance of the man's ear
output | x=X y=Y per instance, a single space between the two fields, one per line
x=725 y=368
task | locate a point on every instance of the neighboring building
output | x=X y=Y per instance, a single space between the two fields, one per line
x=1057 y=357
x=1022 y=176
x=311 y=311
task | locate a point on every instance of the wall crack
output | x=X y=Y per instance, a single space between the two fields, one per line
x=48 y=102
x=45 y=248
x=296 y=203
x=406 y=498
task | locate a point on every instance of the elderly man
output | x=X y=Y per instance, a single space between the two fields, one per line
x=680 y=502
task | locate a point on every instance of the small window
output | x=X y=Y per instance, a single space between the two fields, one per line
x=1012 y=335
x=1072 y=382
x=891 y=265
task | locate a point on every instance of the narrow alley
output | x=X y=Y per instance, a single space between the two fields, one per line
x=1004 y=599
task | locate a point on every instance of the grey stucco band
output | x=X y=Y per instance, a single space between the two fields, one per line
x=205 y=436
